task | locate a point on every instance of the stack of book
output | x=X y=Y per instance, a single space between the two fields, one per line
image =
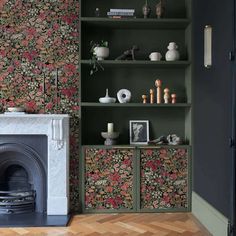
x=121 y=13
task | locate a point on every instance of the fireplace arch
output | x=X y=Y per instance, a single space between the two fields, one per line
x=17 y=155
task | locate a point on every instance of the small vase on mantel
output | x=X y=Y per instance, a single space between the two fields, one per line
x=160 y=9
x=146 y=10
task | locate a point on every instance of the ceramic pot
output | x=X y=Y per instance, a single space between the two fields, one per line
x=172 y=54
x=101 y=52
x=160 y=10
x=107 y=98
x=155 y=56
x=124 y=96
x=146 y=10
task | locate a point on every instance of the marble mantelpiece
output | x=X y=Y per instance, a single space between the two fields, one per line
x=56 y=128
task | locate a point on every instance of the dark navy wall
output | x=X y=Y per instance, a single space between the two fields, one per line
x=213 y=105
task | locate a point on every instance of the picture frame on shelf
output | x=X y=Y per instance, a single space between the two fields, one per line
x=139 y=131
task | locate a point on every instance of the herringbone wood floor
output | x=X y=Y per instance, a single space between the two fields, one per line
x=168 y=224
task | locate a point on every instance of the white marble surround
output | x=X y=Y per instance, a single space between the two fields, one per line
x=56 y=127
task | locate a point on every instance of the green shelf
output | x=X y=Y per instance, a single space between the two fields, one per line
x=169 y=105
x=140 y=63
x=125 y=146
x=136 y=23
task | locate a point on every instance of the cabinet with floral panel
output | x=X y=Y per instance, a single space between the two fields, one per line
x=109 y=182
x=165 y=179
x=136 y=179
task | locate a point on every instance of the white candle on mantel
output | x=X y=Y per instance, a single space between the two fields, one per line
x=110 y=127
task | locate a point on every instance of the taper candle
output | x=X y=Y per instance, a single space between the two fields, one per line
x=110 y=127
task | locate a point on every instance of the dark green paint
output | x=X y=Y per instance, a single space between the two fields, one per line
x=138 y=76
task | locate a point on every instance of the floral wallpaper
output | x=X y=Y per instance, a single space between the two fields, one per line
x=164 y=181
x=39 y=53
x=109 y=179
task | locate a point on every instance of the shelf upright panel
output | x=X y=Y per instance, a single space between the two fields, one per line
x=81 y=163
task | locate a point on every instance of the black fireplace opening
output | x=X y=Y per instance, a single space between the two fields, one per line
x=23 y=182
x=17 y=193
x=23 y=174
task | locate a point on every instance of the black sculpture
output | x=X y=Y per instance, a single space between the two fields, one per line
x=128 y=54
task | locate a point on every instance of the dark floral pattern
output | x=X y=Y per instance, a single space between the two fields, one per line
x=164 y=178
x=38 y=40
x=108 y=179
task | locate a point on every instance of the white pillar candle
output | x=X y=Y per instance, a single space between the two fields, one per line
x=110 y=127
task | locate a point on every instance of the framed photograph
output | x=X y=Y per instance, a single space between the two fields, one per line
x=139 y=131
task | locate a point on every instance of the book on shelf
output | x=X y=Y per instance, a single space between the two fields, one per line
x=122 y=10
x=121 y=17
x=120 y=13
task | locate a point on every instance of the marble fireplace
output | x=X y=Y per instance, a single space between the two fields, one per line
x=34 y=156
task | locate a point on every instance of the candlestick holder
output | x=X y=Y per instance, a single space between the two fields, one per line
x=110 y=137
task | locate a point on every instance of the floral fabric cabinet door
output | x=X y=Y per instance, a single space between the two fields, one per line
x=109 y=179
x=164 y=180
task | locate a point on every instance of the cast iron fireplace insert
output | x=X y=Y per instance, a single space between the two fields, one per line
x=17 y=194
x=23 y=182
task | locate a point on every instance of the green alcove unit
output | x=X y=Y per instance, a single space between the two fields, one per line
x=139 y=77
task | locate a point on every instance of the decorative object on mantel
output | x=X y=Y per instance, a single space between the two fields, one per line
x=159 y=95
x=124 y=96
x=110 y=135
x=173 y=98
x=107 y=98
x=16 y=109
x=128 y=54
x=146 y=10
x=151 y=96
x=173 y=139
x=144 y=97
x=166 y=95
x=172 y=54
x=160 y=9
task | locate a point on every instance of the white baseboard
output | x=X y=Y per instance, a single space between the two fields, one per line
x=213 y=220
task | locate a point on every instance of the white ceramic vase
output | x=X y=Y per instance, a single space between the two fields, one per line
x=172 y=54
x=101 y=52
x=124 y=96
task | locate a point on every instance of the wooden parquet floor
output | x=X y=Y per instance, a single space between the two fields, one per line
x=144 y=224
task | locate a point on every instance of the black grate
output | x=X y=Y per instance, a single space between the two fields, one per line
x=14 y=202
